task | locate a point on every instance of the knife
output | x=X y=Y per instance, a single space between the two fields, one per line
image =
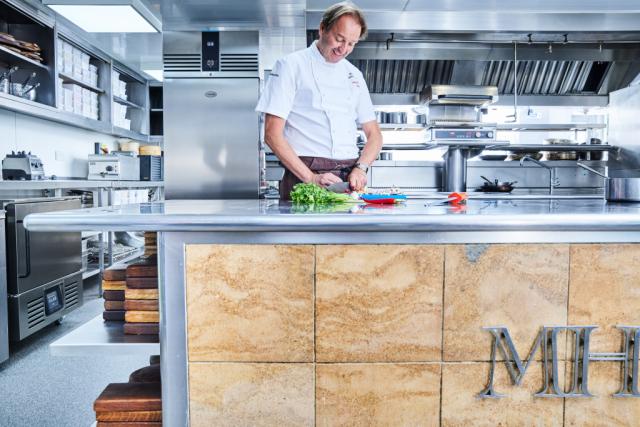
x=339 y=187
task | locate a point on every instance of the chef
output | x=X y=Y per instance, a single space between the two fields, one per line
x=313 y=102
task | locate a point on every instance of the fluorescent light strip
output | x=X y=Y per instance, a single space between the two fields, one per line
x=105 y=18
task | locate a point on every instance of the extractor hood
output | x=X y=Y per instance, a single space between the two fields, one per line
x=567 y=70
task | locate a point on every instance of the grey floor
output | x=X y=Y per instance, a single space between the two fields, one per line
x=37 y=389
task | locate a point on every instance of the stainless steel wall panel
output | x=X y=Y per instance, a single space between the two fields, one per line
x=624 y=127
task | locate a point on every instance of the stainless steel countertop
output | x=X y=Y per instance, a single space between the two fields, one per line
x=479 y=215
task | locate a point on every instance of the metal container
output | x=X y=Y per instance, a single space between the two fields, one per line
x=619 y=189
x=595 y=155
x=559 y=155
x=15 y=89
x=421 y=119
x=397 y=117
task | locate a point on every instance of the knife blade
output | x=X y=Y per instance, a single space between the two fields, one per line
x=339 y=187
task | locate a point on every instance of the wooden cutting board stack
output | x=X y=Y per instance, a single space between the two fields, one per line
x=114 y=281
x=30 y=50
x=150 y=243
x=136 y=403
x=142 y=315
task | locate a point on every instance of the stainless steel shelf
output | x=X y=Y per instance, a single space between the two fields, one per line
x=558 y=147
x=547 y=127
x=90 y=273
x=127 y=256
x=69 y=79
x=10 y=57
x=126 y=102
x=401 y=126
x=47 y=112
x=75 y=184
x=126 y=133
x=104 y=338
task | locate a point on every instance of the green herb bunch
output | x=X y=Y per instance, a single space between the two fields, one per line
x=312 y=194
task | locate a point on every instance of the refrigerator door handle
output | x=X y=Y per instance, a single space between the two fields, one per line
x=24 y=253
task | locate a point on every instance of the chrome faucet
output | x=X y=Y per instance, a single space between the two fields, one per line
x=553 y=180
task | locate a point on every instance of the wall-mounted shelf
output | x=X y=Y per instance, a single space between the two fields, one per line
x=157 y=110
x=126 y=133
x=125 y=102
x=68 y=79
x=90 y=273
x=548 y=127
x=552 y=148
x=35 y=109
x=401 y=126
x=13 y=58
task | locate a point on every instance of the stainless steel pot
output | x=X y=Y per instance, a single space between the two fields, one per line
x=619 y=189
x=397 y=117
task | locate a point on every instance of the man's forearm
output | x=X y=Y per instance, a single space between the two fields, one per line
x=371 y=148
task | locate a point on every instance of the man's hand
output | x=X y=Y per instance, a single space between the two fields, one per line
x=324 y=179
x=357 y=179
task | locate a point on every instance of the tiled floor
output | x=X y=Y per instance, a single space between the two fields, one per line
x=37 y=389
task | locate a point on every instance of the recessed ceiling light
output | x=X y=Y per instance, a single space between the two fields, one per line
x=107 y=16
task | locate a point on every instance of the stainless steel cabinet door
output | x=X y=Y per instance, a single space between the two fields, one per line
x=211 y=138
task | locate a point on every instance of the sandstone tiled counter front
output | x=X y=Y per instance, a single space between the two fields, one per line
x=392 y=335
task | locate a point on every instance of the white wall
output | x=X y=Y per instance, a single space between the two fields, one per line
x=63 y=149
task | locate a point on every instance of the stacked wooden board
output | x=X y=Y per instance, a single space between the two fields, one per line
x=136 y=403
x=30 y=50
x=142 y=315
x=150 y=243
x=114 y=283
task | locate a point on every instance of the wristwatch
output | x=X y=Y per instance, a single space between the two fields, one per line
x=362 y=166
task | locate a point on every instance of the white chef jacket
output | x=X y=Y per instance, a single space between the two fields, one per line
x=322 y=102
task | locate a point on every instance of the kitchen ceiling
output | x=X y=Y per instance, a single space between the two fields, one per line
x=466 y=18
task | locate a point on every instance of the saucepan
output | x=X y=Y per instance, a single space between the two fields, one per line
x=622 y=189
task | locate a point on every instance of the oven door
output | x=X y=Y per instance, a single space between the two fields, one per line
x=40 y=257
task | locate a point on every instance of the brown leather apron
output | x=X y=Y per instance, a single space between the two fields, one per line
x=340 y=168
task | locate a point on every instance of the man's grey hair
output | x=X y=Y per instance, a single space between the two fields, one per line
x=335 y=12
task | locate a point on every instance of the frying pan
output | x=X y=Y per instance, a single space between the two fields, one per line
x=496 y=186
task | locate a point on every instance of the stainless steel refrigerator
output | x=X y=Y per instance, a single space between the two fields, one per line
x=211 y=131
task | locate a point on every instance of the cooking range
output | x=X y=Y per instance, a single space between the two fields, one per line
x=44 y=270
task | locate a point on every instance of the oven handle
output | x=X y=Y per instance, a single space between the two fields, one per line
x=27 y=255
